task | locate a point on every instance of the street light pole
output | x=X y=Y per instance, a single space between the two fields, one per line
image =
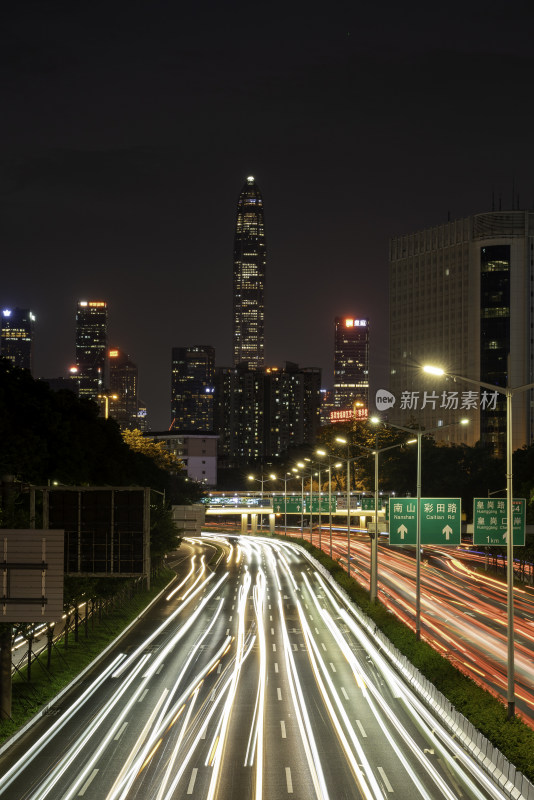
x=508 y=392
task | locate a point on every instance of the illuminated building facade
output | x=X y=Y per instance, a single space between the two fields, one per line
x=249 y=278
x=91 y=346
x=16 y=338
x=351 y=362
x=123 y=388
x=261 y=414
x=197 y=452
x=192 y=388
x=461 y=297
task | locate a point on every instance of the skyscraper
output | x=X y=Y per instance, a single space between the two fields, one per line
x=123 y=383
x=351 y=362
x=16 y=339
x=461 y=297
x=263 y=413
x=91 y=346
x=249 y=278
x=192 y=388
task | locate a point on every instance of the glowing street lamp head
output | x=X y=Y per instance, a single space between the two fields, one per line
x=321 y=452
x=375 y=420
x=432 y=370
x=341 y=440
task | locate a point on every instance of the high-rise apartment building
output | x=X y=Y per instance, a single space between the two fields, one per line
x=16 y=337
x=249 y=278
x=351 y=362
x=462 y=297
x=91 y=346
x=123 y=388
x=192 y=388
x=262 y=413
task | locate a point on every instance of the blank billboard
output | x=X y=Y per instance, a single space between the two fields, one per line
x=32 y=575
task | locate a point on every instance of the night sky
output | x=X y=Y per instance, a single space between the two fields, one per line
x=128 y=129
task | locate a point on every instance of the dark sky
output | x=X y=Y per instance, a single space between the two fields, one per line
x=128 y=129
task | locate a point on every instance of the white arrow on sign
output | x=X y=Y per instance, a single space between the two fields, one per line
x=402 y=529
x=447 y=530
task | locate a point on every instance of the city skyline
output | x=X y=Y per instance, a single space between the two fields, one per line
x=122 y=163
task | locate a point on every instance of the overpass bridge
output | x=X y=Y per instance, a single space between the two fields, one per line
x=252 y=507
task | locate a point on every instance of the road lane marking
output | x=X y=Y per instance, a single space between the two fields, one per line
x=362 y=730
x=233 y=608
x=279 y=693
x=274 y=648
x=230 y=618
x=289 y=781
x=120 y=731
x=227 y=631
x=159 y=669
x=276 y=667
x=323 y=646
x=333 y=668
x=270 y=617
x=295 y=648
x=142 y=697
x=317 y=631
x=87 y=782
x=389 y=787
x=310 y=616
x=283 y=727
x=272 y=631
x=192 y=781
x=344 y=693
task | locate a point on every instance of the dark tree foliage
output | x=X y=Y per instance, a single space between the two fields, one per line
x=52 y=436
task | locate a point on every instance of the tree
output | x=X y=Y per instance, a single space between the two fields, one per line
x=152 y=449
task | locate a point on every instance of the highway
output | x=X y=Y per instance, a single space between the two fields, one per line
x=250 y=679
x=463 y=610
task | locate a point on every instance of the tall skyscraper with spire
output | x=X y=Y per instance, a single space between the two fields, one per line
x=249 y=278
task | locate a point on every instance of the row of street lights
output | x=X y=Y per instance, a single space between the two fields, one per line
x=509 y=393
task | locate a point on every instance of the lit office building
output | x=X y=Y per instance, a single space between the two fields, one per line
x=249 y=278
x=461 y=297
x=261 y=414
x=351 y=362
x=123 y=384
x=192 y=388
x=16 y=339
x=91 y=346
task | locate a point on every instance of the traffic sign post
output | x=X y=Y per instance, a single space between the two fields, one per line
x=287 y=504
x=402 y=520
x=441 y=520
x=490 y=525
x=315 y=505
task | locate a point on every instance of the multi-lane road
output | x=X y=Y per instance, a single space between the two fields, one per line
x=463 y=610
x=249 y=678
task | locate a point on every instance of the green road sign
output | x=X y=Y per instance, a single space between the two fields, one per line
x=368 y=503
x=315 y=504
x=441 y=520
x=490 y=521
x=293 y=505
x=402 y=520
